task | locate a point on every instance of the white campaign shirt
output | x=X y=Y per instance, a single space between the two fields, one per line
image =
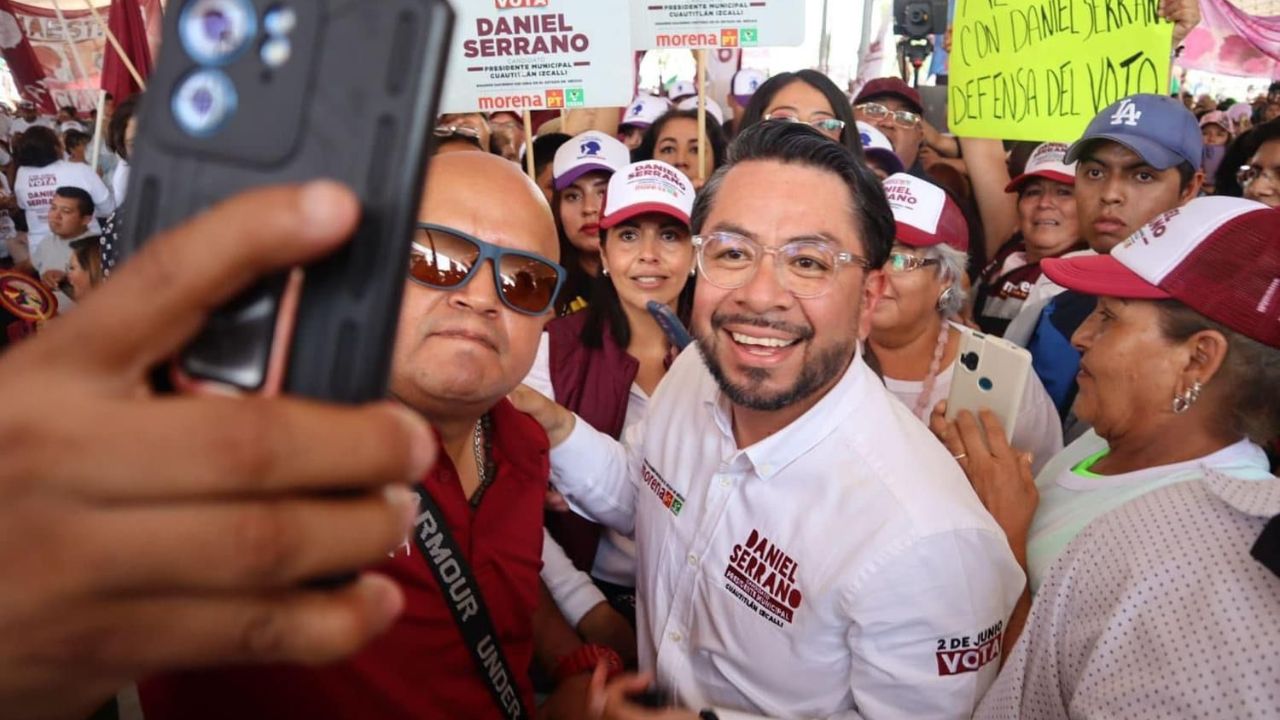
x=34 y=188
x=842 y=567
x=1156 y=610
x=1037 y=429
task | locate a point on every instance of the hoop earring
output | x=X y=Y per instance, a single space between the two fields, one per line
x=1183 y=402
x=946 y=298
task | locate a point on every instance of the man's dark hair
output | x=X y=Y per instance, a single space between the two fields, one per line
x=715 y=137
x=73 y=139
x=544 y=150
x=68 y=109
x=798 y=144
x=763 y=96
x=38 y=147
x=1186 y=173
x=82 y=198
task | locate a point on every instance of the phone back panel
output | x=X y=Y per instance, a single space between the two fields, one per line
x=355 y=102
x=990 y=373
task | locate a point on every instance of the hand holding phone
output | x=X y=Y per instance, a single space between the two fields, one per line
x=260 y=92
x=990 y=373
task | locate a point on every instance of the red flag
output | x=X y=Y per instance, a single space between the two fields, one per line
x=125 y=22
x=28 y=72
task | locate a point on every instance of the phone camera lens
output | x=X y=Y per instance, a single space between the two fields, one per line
x=280 y=20
x=214 y=31
x=985 y=384
x=204 y=102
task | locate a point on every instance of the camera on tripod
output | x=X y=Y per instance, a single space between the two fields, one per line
x=919 y=18
x=916 y=21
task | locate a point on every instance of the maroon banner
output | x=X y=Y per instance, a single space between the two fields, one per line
x=127 y=25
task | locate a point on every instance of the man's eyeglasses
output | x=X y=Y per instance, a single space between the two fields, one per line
x=900 y=262
x=826 y=126
x=1248 y=173
x=878 y=112
x=447 y=259
x=806 y=268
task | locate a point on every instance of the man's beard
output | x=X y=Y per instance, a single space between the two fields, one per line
x=817 y=372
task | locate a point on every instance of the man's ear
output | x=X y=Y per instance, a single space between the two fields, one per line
x=872 y=291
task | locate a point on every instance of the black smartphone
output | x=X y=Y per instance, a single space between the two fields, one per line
x=258 y=92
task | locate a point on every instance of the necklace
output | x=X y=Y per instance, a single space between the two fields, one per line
x=922 y=408
x=479 y=440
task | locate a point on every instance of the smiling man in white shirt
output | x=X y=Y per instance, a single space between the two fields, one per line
x=805 y=547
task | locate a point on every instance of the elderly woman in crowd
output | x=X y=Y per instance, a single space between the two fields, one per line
x=914 y=338
x=1171 y=601
x=1176 y=379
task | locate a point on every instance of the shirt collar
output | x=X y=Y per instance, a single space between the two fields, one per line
x=773 y=454
x=1259 y=498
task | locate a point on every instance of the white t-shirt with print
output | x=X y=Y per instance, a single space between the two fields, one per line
x=35 y=187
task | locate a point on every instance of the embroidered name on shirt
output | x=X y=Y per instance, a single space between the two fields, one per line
x=669 y=498
x=968 y=654
x=763 y=577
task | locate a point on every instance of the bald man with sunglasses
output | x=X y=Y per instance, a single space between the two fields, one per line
x=480 y=289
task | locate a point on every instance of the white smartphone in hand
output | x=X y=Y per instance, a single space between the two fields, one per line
x=990 y=374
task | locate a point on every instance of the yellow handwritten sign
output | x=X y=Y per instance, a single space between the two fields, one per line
x=1041 y=69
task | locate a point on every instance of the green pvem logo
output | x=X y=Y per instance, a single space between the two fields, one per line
x=748 y=36
x=575 y=97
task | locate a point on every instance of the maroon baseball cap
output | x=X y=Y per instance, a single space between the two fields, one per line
x=1217 y=255
x=890 y=86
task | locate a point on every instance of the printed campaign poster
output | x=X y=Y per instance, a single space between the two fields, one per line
x=716 y=23
x=538 y=55
x=1041 y=69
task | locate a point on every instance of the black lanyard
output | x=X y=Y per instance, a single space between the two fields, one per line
x=462 y=594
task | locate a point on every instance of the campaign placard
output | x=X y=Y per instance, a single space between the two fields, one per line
x=1041 y=69
x=716 y=23
x=536 y=55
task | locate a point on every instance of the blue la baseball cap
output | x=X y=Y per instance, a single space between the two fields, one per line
x=1156 y=127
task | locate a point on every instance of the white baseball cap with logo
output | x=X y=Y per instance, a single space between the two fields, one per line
x=592 y=151
x=644 y=109
x=681 y=89
x=745 y=84
x=650 y=186
x=713 y=108
x=924 y=215
x=1048 y=160
x=876 y=145
x=1217 y=255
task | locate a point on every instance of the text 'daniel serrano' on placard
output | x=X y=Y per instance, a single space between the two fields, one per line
x=537 y=54
x=1041 y=69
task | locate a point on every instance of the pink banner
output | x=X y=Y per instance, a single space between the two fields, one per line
x=1229 y=41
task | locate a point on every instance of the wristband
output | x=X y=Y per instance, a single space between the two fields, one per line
x=585 y=659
